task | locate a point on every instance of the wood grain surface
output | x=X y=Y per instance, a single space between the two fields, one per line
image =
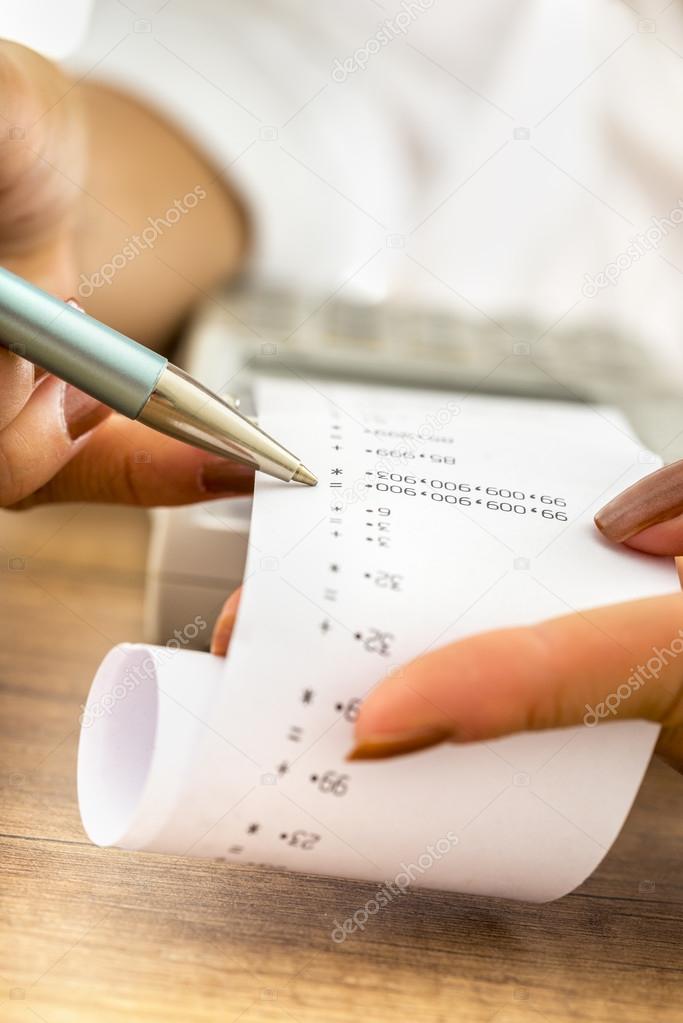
x=105 y=936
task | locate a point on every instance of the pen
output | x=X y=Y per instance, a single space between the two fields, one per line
x=133 y=380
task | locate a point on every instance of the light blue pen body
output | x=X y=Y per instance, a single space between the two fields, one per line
x=132 y=379
x=77 y=348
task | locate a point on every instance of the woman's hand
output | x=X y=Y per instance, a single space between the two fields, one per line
x=609 y=663
x=57 y=443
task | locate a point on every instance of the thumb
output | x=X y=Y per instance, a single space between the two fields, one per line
x=613 y=662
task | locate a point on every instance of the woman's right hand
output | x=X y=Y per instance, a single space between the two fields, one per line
x=57 y=443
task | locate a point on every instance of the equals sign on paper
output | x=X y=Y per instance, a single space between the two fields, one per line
x=295 y=734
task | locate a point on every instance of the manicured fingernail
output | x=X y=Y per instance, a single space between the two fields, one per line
x=379 y=747
x=656 y=498
x=226 y=477
x=81 y=412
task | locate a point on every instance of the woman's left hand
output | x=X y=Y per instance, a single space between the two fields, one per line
x=604 y=664
x=599 y=665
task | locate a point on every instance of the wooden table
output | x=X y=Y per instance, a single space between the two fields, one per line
x=104 y=936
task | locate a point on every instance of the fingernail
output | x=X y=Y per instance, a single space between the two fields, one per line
x=81 y=412
x=226 y=477
x=656 y=498
x=379 y=747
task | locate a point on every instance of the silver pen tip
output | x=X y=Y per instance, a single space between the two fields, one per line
x=303 y=475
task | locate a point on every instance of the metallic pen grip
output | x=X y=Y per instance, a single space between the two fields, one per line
x=184 y=408
x=75 y=347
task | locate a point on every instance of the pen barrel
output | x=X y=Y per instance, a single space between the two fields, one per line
x=75 y=347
